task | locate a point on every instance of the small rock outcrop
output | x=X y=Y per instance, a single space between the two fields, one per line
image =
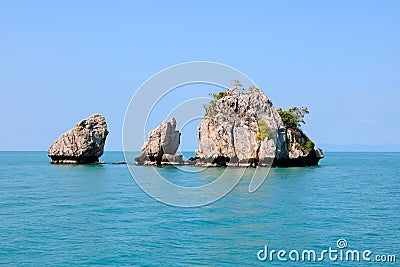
x=172 y=159
x=301 y=150
x=161 y=145
x=244 y=129
x=118 y=163
x=82 y=144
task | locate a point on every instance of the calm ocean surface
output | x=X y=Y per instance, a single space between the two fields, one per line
x=62 y=215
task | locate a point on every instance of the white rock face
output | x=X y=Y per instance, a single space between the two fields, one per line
x=244 y=127
x=162 y=140
x=82 y=144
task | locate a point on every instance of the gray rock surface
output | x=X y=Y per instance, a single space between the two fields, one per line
x=82 y=144
x=301 y=150
x=162 y=140
x=245 y=129
x=241 y=129
x=172 y=159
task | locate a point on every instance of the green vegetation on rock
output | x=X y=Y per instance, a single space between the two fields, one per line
x=308 y=146
x=210 y=112
x=293 y=117
x=263 y=131
x=253 y=88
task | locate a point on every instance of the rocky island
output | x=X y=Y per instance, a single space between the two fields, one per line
x=161 y=145
x=240 y=128
x=83 y=144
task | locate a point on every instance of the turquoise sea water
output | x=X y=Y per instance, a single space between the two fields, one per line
x=96 y=214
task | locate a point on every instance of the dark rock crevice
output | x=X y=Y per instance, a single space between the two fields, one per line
x=221 y=161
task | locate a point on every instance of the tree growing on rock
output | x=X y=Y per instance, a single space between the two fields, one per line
x=293 y=117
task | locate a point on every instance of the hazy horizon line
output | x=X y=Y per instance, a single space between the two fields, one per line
x=192 y=151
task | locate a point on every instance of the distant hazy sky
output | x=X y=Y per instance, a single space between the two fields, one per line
x=61 y=61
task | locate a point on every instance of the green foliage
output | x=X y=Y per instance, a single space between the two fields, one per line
x=293 y=117
x=209 y=108
x=218 y=95
x=264 y=131
x=238 y=85
x=308 y=146
x=253 y=88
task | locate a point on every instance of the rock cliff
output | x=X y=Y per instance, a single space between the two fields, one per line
x=161 y=145
x=239 y=129
x=82 y=144
x=301 y=150
x=245 y=129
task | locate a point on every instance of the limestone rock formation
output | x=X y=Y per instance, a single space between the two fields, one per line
x=82 y=144
x=245 y=129
x=172 y=159
x=241 y=129
x=162 y=141
x=302 y=150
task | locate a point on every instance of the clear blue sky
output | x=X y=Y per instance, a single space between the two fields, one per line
x=61 y=61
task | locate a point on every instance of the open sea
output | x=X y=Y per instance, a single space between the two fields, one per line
x=97 y=214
